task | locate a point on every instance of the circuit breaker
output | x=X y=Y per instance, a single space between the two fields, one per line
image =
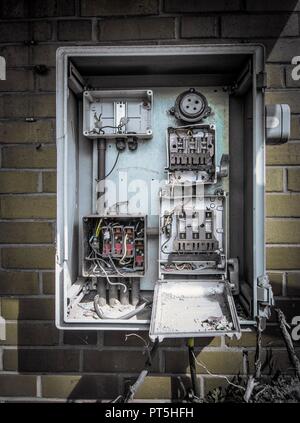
x=161 y=189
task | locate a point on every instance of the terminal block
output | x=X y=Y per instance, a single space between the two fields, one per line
x=114 y=246
x=193 y=149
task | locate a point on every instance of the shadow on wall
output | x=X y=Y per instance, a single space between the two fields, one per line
x=85 y=370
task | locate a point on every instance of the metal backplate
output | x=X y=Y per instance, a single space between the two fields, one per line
x=189 y=308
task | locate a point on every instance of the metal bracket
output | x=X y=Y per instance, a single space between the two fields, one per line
x=261 y=80
x=75 y=81
x=265 y=297
x=233 y=270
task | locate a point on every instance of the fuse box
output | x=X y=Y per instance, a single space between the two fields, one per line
x=160 y=216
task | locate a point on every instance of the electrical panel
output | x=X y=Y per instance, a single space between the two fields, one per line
x=161 y=190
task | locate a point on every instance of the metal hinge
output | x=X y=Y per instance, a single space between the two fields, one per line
x=75 y=81
x=261 y=80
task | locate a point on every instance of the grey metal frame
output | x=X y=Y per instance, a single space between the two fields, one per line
x=64 y=244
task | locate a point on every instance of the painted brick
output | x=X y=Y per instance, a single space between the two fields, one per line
x=286 y=154
x=47 y=81
x=48 y=282
x=290 y=81
x=31 y=333
x=199 y=27
x=211 y=383
x=15 y=55
x=26 y=232
x=282 y=50
x=248 y=339
x=289 y=307
x=283 y=258
x=28 y=258
x=283 y=205
x=74 y=30
x=282 y=231
x=40 y=156
x=276 y=282
x=274 y=180
x=115 y=361
x=41 y=131
x=27 y=308
x=50 y=8
x=41 y=30
x=17 y=385
x=280 y=363
x=14 y=31
x=118 y=338
x=13 y=8
x=18 y=80
x=295 y=127
x=17 y=105
x=294 y=179
x=191 y=6
x=41 y=360
x=80 y=337
x=255 y=25
x=291 y=97
x=136 y=29
x=49 y=181
x=293 y=284
x=44 y=54
x=272 y=5
x=275 y=76
x=18 y=283
x=118 y=7
x=18 y=182
x=155 y=387
x=37 y=9
x=82 y=387
x=216 y=361
x=27 y=207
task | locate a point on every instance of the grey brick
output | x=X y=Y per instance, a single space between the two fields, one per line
x=290 y=81
x=199 y=27
x=15 y=55
x=80 y=337
x=41 y=105
x=17 y=385
x=41 y=30
x=82 y=387
x=275 y=76
x=282 y=50
x=18 y=80
x=291 y=97
x=272 y=5
x=36 y=8
x=118 y=7
x=260 y=25
x=44 y=54
x=74 y=30
x=40 y=360
x=136 y=29
x=193 y=6
x=115 y=361
x=14 y=31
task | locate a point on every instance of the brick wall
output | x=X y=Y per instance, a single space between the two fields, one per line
x=36 y=360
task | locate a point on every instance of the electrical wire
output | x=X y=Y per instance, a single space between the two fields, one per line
x=222 y=377
x=121 y=261
x=122 y=317
x=112 y=169
x=109 y=281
